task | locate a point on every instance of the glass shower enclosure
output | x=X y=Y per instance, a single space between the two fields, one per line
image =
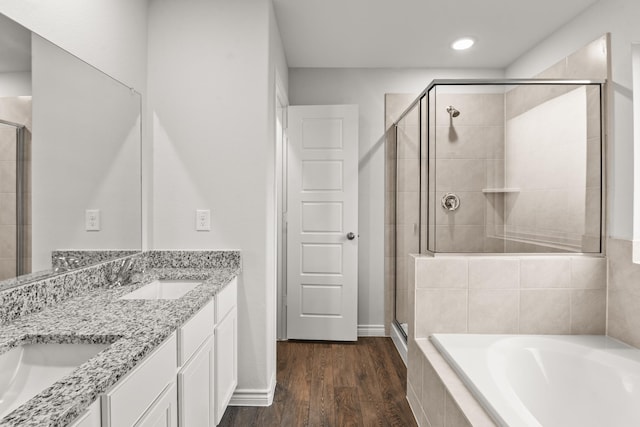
x=15 y=226
x=497 y=167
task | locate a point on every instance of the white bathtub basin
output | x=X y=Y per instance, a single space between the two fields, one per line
x=163 y=289
x=548 y=380
x=30 y=368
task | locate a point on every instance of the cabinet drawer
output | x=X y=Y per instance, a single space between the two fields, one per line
x=194 y=332
x=134 y=394
x=226 y=299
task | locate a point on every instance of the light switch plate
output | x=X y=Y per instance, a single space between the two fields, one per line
x=92 y=220
x=203 y=220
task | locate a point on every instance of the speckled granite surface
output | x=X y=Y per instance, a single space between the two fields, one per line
x=88 y=257
x=192 y=259
x=132 y=327
x=34 y=296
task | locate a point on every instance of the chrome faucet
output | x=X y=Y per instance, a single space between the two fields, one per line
x=121 y=272
x=63 y=264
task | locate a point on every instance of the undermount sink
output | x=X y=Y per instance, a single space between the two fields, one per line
x=30 y=368
x=163 y=289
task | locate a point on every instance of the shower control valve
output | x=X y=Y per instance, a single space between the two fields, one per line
x=450 y=201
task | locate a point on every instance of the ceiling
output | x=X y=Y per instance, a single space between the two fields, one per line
x=416 y=33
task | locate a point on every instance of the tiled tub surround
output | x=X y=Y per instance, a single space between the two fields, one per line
x=95 y=314
x=437 y=390
x=558 y=294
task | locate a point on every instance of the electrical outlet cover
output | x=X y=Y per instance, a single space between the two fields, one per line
x=203 y=220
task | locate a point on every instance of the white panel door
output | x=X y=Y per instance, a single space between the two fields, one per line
x=322 y=223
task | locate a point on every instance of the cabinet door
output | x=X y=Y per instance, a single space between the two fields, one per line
x=163 y=412
x=226 y=365
x=195 y=388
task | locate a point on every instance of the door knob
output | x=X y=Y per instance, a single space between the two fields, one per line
x=351 y=236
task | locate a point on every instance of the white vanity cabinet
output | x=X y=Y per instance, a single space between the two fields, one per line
x=146 y=393
x=226 y=347
x=196 y=374
x=186 y=382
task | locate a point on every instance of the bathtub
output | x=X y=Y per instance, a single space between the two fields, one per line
x=548 y=380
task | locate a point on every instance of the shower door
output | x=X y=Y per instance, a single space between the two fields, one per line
x=14 y=198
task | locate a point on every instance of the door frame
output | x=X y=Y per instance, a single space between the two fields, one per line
x=282 y=102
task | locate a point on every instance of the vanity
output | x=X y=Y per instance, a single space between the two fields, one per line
x=161 y=351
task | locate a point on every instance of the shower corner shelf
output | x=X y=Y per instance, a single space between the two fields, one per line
x=500 y=190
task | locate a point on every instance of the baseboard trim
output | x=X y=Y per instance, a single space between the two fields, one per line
x=399 y=341
x=254 y=397
x=371 y=331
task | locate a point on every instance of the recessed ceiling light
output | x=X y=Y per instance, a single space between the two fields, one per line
x=463 y=43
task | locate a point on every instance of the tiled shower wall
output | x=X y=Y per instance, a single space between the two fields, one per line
x=557 y=175
x=17 y=110
x=582 y=228
x=469 y=158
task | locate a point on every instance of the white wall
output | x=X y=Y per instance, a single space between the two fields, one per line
x=212 y=106
x=366 y=87
x=15 y=84
x=620 y=18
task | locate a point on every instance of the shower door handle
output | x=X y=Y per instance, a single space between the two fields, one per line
x=351 y=236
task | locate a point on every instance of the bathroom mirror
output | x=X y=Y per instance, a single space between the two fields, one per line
x=70 y=160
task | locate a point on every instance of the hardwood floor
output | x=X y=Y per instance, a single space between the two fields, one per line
x=333 y=384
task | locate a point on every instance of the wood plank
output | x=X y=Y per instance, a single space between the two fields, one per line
x=294 y=415
x=270 y=415
x=389 y=370
x=321 y=403
x=347 y=407
x=373 y=414
x=394 y=359
x=389 y=379
x=344 y=358
x=239 y=416
x=367 y=380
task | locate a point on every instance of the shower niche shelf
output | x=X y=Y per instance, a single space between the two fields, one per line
x=500 y=190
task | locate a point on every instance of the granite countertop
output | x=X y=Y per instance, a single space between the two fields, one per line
x=133 y=328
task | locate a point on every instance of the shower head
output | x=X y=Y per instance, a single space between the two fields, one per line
x=452 y=111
